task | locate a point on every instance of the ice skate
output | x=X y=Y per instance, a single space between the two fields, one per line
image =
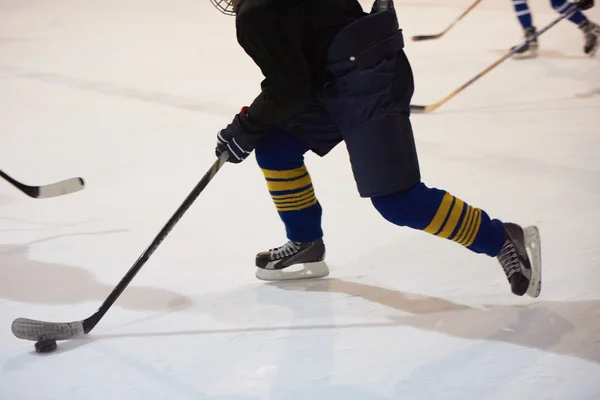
x=591 y=33
x=293 y=260
x=520 y=258
x=530 y=50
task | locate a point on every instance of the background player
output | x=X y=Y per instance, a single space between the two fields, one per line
x=590 y=30
x=334 y=73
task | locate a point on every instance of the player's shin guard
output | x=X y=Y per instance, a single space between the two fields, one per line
x=439 y=213
x=294 y=197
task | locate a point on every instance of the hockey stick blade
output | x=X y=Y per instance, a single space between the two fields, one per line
x=29 y=329
x=418 y=38
x=423 y=109
x=61 y=188
x=456 y=21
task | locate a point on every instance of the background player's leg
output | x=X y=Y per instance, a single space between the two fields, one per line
x=523 y=13
x=591 y=31
x=526 y=20
x=281 y=159
x=563 y=6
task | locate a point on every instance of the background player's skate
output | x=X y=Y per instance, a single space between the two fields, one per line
x=591 y=33
x=570 y=11
x=530 y=49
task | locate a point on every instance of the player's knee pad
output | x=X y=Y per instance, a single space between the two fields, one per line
x=413 y=207
x=279 y=150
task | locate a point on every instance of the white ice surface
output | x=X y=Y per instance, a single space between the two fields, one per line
x=129 y=94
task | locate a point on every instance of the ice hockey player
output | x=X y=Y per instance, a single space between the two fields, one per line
x=591 y=31
x=335 y=73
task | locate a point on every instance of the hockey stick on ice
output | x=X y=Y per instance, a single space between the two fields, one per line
x=439 y=35
x=580 y=5
x=46 y=191
x=39 y=330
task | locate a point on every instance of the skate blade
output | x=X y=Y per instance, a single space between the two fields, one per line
x=533 y=53
x=534 y=248
x=308 y=271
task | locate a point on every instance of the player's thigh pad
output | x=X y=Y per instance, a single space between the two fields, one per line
x=369 y=99
x=383 y=155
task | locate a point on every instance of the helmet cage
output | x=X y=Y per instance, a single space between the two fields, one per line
x=224 y=6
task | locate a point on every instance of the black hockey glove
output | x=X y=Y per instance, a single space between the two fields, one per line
x=584 y=4
x=236 y=140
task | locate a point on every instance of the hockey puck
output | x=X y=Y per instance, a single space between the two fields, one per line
x=45 y=346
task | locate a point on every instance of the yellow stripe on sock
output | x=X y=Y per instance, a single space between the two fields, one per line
x=281 y=186
x=453 y=219
x=440 y=216
x=300 y=206
x=470 y=224
x=463 y=224
x=291 y=196
x=475 y=230
x=295 y=199
x=285 y=174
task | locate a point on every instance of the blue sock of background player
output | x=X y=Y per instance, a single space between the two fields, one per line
x=591 y=31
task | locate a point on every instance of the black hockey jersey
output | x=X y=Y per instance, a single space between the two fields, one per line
x=289 y=40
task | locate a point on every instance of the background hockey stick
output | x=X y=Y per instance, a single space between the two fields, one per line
x=46 y=191
x=439 y=35
x=581 y=5
x=39 y=330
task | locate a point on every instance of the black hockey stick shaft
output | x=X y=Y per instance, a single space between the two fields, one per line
x=90 y=323
x=31 y=191
x=432 y=107
x=442 y=33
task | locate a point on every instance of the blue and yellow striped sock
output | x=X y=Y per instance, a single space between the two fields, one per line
x=294 y=197
x=439 y=213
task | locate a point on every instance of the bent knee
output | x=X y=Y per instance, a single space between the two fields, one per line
x=414 y=207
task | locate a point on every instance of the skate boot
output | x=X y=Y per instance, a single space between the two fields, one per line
x=531 y=48
x=591 y=33
x=523 y=270
x=282 y=263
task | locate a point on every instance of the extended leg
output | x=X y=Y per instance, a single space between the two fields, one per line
x=439 y=213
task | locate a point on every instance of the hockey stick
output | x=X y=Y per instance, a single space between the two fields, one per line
x=46 y=191
x=39 y=330
x=581 y=5
x=439 y=35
